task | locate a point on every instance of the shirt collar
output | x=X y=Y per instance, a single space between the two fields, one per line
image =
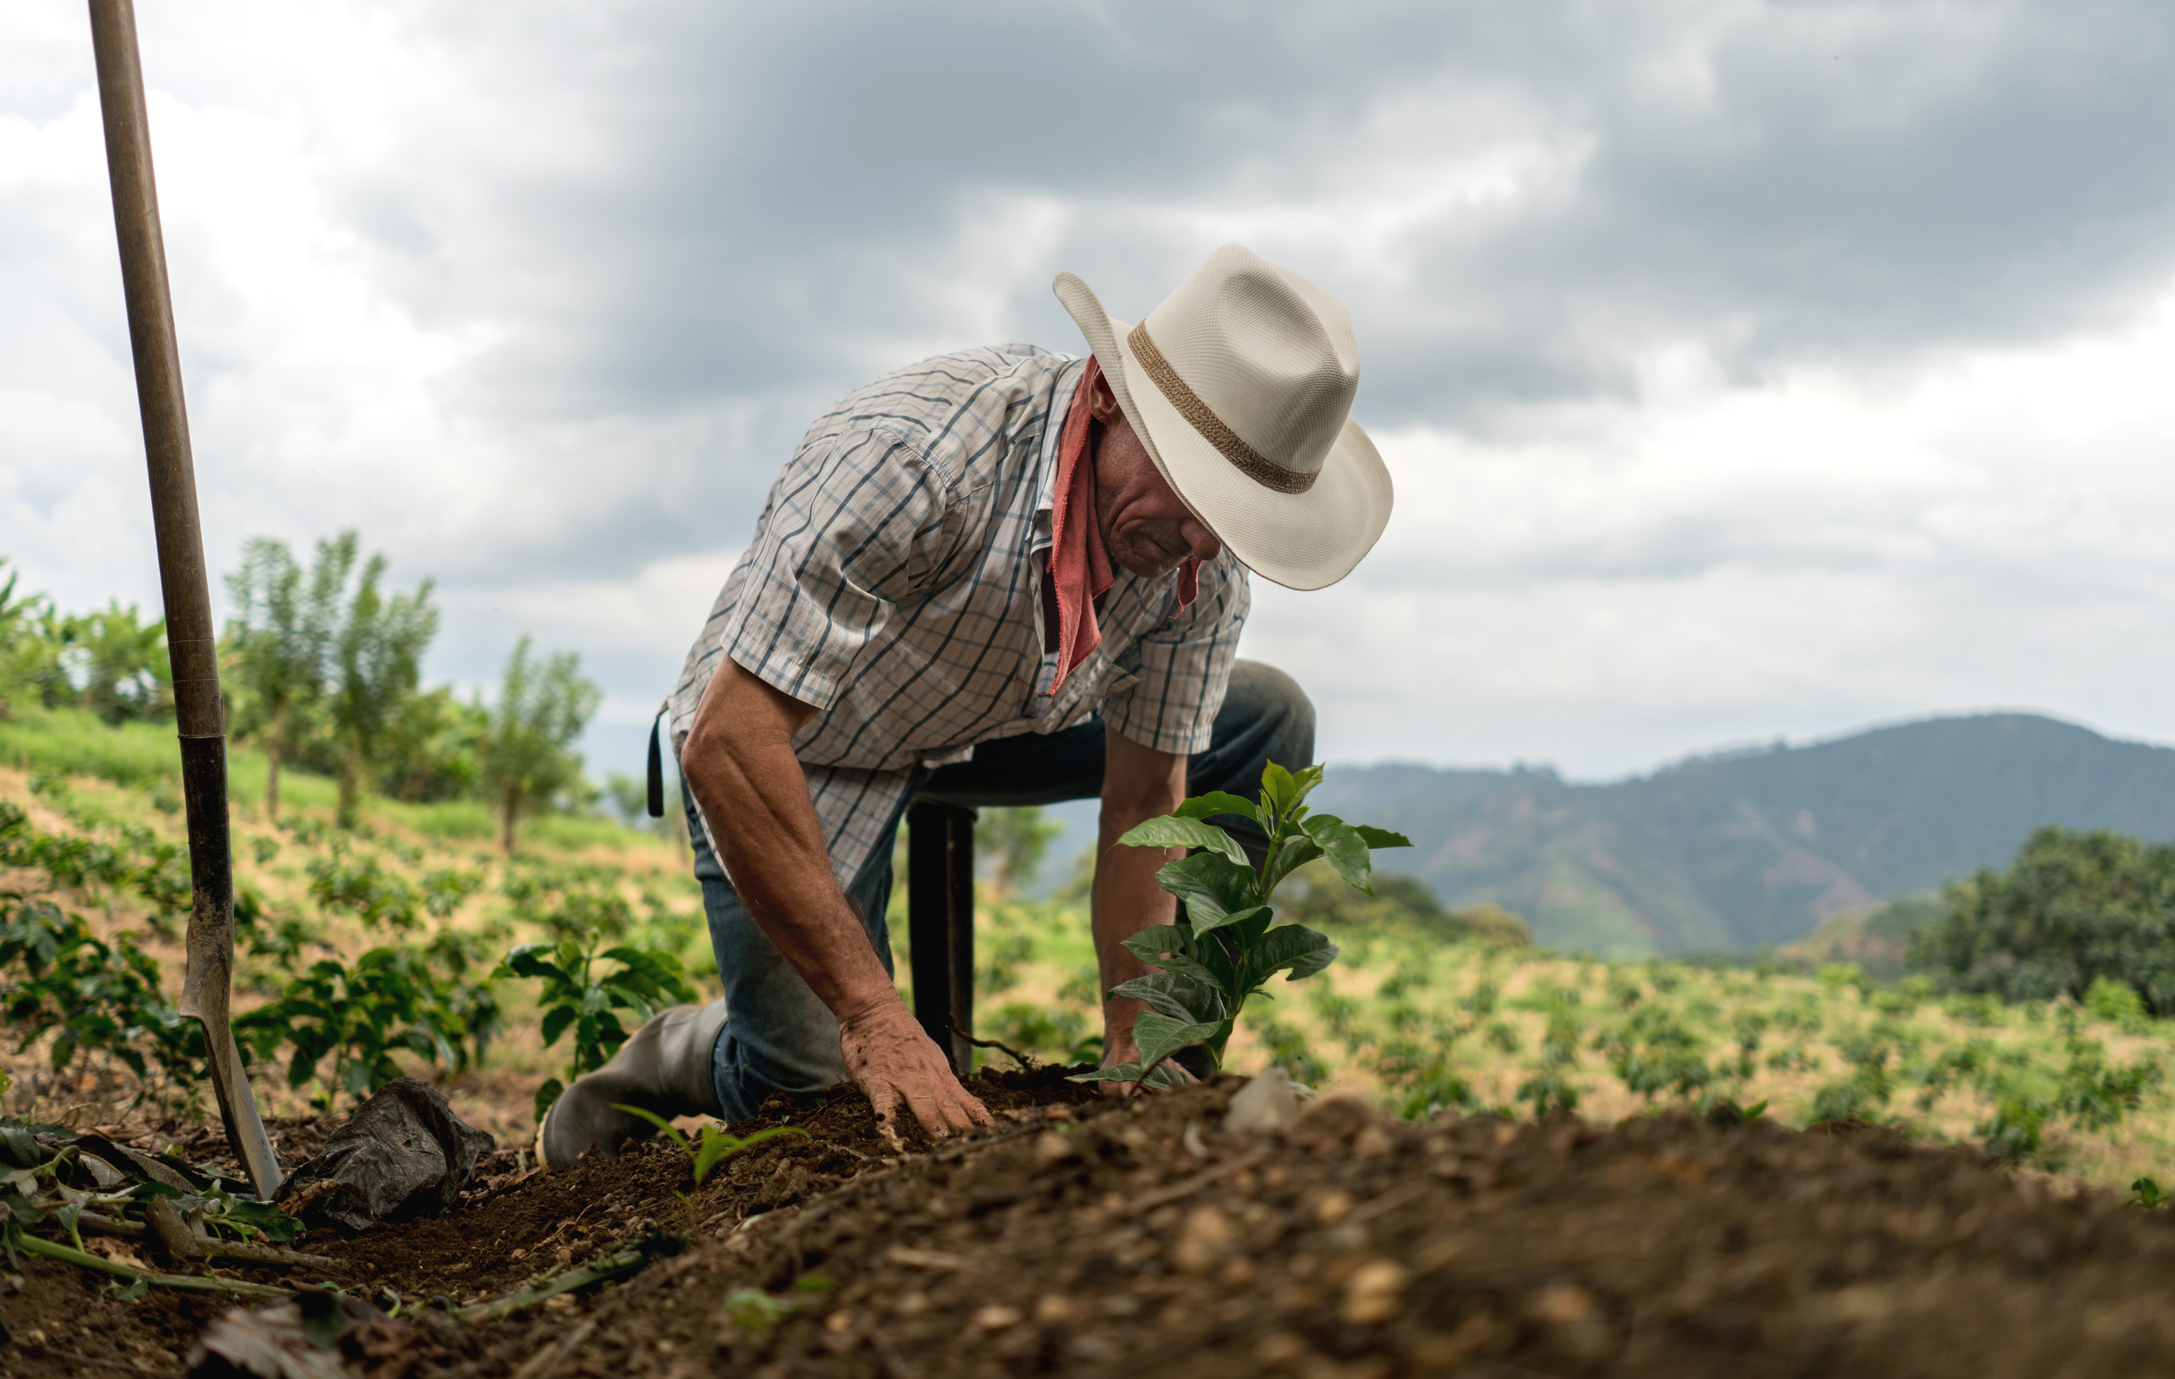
x=1068 y=383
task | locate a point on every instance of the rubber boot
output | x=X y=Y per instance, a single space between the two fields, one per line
x=664 y=1068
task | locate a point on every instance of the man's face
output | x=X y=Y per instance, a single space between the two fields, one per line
x=1146 y=529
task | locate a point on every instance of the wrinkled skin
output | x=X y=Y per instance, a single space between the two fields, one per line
x=1147 y=529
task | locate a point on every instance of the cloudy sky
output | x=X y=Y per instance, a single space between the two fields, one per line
x=1747 y=370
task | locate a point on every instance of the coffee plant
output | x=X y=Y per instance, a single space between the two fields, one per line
x=582 y=996
x=1228 y=945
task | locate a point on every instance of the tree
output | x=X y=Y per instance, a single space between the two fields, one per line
x=376 y=661
x=528 y=753
x=2075 y=907
x=1014 y=841
x=278 y=641
x=19 y=639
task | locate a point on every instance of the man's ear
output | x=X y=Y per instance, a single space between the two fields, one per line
x=1103 y=403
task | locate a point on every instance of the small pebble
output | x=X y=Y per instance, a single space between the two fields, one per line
x=1279 y=1348
x=1374 y=1292
x=1332 y=1206
x=1054 y=1309
x=996 y=1317
x=1204 y=1241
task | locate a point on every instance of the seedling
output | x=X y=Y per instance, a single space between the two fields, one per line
x=1229 y=945
x=718 y=1144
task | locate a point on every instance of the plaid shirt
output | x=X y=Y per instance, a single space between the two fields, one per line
x=894 y=583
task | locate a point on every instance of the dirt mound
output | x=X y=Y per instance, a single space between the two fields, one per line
x=1096 y=1237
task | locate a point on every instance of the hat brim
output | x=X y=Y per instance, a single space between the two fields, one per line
x=1304 y=540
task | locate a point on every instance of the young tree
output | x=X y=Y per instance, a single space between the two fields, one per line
x=277 y=643
x=19 y=639
x=528 y=755
x=376 y=660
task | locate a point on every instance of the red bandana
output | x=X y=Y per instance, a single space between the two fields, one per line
x=1078 y=563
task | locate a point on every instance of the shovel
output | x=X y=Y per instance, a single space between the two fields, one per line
x=192 y=646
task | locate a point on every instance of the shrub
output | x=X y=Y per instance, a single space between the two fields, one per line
x=104 y=998
x=2074 y=908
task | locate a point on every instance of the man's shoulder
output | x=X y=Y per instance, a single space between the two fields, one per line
x=953 y=400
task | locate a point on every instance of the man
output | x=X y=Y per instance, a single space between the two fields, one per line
x=996 y=577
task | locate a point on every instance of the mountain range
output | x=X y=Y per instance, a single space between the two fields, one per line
x=1747 y=849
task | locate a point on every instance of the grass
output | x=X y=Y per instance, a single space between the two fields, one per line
x=1419 y=1022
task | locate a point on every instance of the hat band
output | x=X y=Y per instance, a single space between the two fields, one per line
x=1229 y=443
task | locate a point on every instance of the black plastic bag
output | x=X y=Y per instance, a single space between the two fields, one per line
x=402 y=1154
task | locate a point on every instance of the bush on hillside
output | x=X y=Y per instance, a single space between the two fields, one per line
x=2075 y=908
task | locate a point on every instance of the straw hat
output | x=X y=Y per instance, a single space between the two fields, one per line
x=1239 y=385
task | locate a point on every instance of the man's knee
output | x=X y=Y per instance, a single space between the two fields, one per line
x=1273 y=701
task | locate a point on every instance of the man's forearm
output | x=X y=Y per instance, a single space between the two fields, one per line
x=749 y=783
x=1138 y=785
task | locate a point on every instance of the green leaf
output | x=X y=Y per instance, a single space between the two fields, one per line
x=1116 y=1072
x=1344 y=848
x=547 y=1094
x=718 y=1145
x=660 y=1122
x=1296 y=852
x=1170 y=831
x=1212 y=877
x=1205 y=921
x=1217 y=802
x=1303 y=782
x=1165 y=1075
x=1278 y=790
x=556 y=1020
x=1381 y=837
x=1151 y=943
x=1179 y=995
x=1292 y=946
x=1159 y=1036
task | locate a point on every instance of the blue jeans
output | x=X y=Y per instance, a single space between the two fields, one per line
x=779 y=1038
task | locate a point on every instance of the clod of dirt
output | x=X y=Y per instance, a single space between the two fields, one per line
x=402 y=1154
x=1263 y=1106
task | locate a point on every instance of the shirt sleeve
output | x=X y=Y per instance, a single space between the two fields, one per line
x=1185 y=666
x=855 y=523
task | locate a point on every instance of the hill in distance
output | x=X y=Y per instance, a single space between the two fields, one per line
x=1743 y=850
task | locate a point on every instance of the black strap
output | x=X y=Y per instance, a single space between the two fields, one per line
x=656 y=767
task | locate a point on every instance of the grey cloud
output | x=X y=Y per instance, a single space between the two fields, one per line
x=745 y=187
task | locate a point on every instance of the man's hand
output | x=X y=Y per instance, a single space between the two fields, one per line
x=890 y=1056
x=740 y=764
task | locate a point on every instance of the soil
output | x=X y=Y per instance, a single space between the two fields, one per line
x=1086 y=1236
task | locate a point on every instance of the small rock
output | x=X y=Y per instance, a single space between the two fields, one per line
x=1333 y=1118
x=1332 y=1206
x=1279 y=1348
x=1051 y=1147
x=1055 y=1309
x=839 y=1322
x=1374 y=1292
x=1264 y=1106
x=996 y=1317
x=1204 y=1241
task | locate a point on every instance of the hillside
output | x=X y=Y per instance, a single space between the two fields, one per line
x=1750 y=849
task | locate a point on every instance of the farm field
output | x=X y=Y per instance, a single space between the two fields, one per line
x=1517 y=1158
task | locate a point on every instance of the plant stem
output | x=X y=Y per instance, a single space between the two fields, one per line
x=33 y=1245
x=618 y=1264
